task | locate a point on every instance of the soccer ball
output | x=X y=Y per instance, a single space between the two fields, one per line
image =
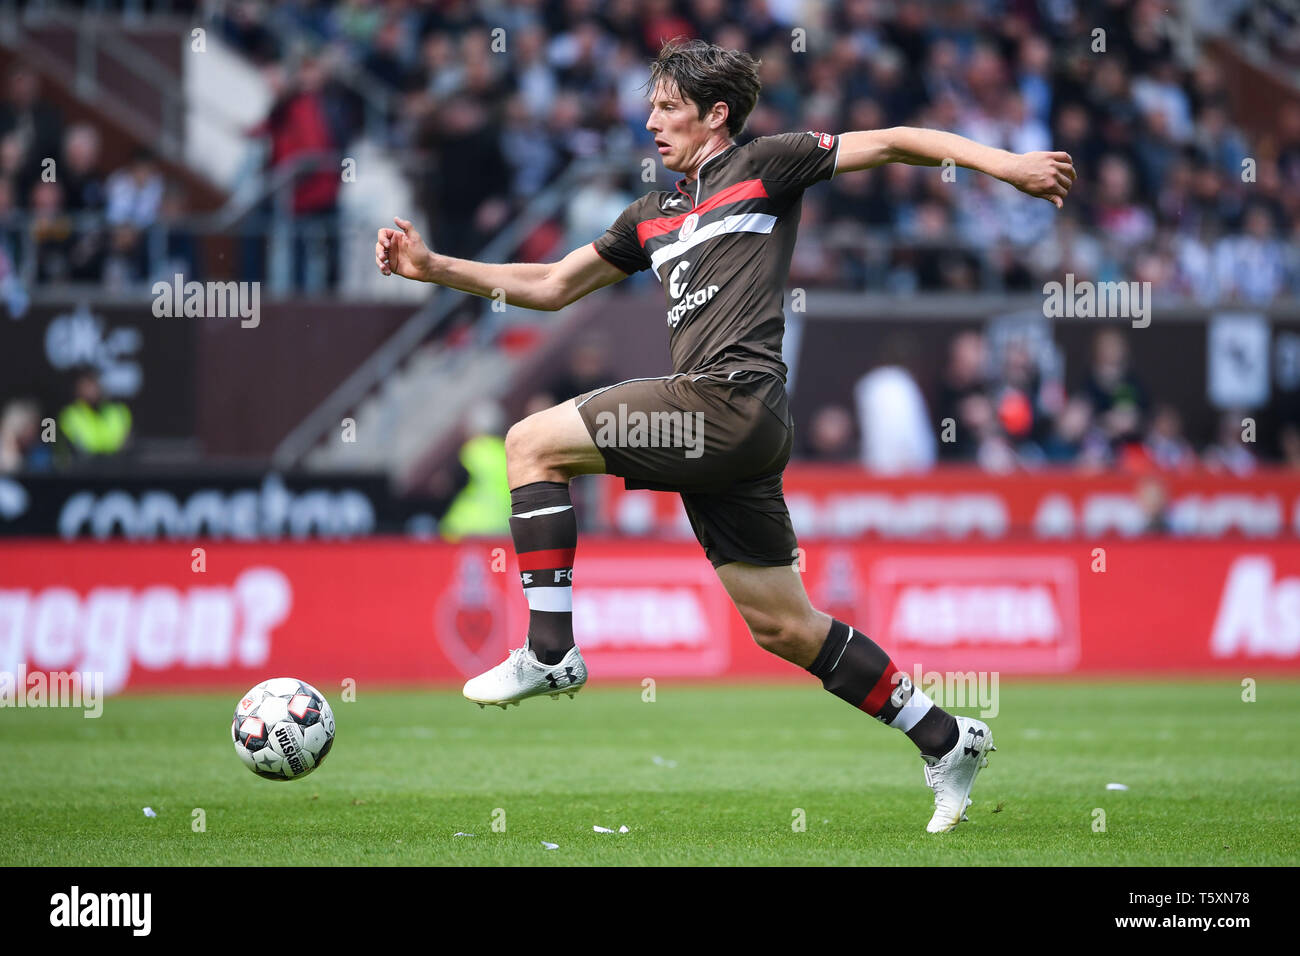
x=283 y=729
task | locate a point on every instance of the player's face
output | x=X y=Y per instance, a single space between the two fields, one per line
x=678 y=130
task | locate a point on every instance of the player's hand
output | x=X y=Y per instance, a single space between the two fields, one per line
x=402 y=252
x=1046 y=175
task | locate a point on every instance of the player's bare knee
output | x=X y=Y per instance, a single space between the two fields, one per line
x=531 y=455
x=770 y=632
x=526 y=445
x=517 y=441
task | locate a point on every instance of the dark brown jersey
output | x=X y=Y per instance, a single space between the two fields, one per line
x=721 y=248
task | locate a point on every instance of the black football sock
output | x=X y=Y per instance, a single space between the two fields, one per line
x=545 y=532
x=856 y=669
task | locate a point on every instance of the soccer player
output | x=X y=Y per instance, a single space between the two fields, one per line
x=720 y=243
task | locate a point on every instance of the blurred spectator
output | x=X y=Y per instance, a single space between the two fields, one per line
x=588 y=369
x=92 y=424
x=384 y=60
x=1118 y=214
x=963 y=397
x=897 y=436
x=1166 y=446
x=1074 y=439
x=538 y=402
x=135 y=195
x=482 y=508
x=1289 y=438
x=182 y=249
x=51 y=233
x=303 y=139
x=462 y=186
x=1230 y=453
x=1118 y=399
x=83 y=180
x=831 y=437
x=31 y=127
x=1249 y=267
x=21 y=448
x=593 y=206
x=1016 y=395
x=1153 y=498
x=528 y=148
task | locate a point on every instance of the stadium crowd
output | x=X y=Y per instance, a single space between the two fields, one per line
x=1164 y=196
x=998 y=410
x=492 y=100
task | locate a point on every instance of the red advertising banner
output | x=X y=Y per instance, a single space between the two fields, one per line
x=829 y=502
x=390 y=611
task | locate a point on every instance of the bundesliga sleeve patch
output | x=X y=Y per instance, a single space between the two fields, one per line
x=824 y=140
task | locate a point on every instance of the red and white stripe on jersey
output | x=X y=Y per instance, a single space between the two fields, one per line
x=748 y=189
x=745 y=222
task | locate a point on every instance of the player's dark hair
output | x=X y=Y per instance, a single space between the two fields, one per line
x=705 y=73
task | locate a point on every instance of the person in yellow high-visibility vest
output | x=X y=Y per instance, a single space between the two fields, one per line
x=482 y=508
x=92 y=425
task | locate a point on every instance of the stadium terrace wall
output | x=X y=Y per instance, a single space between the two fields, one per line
x=837 y=347
x=237 y=391
x=394 y=612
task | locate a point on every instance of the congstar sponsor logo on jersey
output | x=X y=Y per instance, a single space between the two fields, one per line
x=686 y=300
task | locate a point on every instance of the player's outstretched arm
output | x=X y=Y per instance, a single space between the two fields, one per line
x=547 y=286
x=1046 y=175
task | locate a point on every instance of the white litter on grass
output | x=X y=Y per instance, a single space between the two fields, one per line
x=464 y=834
x=662 y=762
x=550 y=846
x=623 y=829
x=602 y=829
x=148 y=812
x=1116 y=786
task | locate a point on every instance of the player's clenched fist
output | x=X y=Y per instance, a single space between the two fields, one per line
x=1047 y=175
x=402 y=252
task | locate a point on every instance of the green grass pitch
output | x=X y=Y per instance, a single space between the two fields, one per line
x=702 y=775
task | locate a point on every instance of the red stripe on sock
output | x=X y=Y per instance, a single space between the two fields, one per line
x=541 y=560
x=880 y=693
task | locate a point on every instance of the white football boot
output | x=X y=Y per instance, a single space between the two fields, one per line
x=952 y=775
x=522 y=675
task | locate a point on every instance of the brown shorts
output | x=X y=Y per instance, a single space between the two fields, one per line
x=721 y=442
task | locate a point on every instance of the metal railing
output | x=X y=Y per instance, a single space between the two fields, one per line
x=98 y=51
x=265 y=215
x=428 y=320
